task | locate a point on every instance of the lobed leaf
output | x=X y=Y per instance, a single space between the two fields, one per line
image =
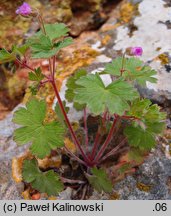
x=142 y=76
x=71 y=85
x=43 y=136
x=134 y=70
x=142 y=133
x=55 y=31
x=144 y=109
x=64 y=43
x=136 y=155
x=144 y=139
x=45 y=182
x=6 y=56
x=21 y=50
x=34 y=88
x=44 y=46
x=99 y=180
x=36 y=75
x=115 y=67
x=114 y=97
x=41 y=46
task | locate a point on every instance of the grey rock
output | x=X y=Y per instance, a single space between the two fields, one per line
x=9 y=190
x=157 y=168
x=159 y=97
x=66 y=194
x=99 y=196
x=151 y=24
x=7 y=145
x=8 y=149
x=155 y=172
x=135 y=1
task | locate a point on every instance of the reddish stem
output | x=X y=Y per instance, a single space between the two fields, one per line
x=74 y=156
x=97 y=138
x=41 y=22
x=88 y=162
x=113 y=151
x=50 y=69
x=52 y=80
x=85 y=128
x=107 y=141
x=23 y=64
x=104 y=117
x=43 y=82
x=53 y=69
x=96 y=143
x=122 y=68
x=71 y=181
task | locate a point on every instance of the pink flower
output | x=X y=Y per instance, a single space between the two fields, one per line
x=24 y=9
x=136 y=51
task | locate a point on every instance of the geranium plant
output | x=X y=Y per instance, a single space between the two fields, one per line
x=124 y=119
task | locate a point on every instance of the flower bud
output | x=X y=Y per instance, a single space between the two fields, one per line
x=136 y=51
x=24 y=9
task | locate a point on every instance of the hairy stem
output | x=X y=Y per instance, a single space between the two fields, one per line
x=114 y=150
x=123 y=61
x=53 y=69
x=88 y=162
x=96 y=143
x=23 y=64
x=44 y=82
x=97 y=138
x=74 y=156
x=104 y=117
x=41 y=22
x=52 y=80
x=107 y=141
x=85 y=128
x=50 y=68
x=71 y=181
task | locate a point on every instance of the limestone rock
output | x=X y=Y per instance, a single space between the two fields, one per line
x=150 y=182
x=8 y=149
x=153 y=35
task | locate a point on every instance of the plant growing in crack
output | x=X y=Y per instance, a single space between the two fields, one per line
x=125 y=121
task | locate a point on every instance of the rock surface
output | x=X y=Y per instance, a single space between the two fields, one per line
x=8 y=149
x=150 y=182
x=80 y=16
x=153 y=34
x=147 y=27
x=154 y=173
